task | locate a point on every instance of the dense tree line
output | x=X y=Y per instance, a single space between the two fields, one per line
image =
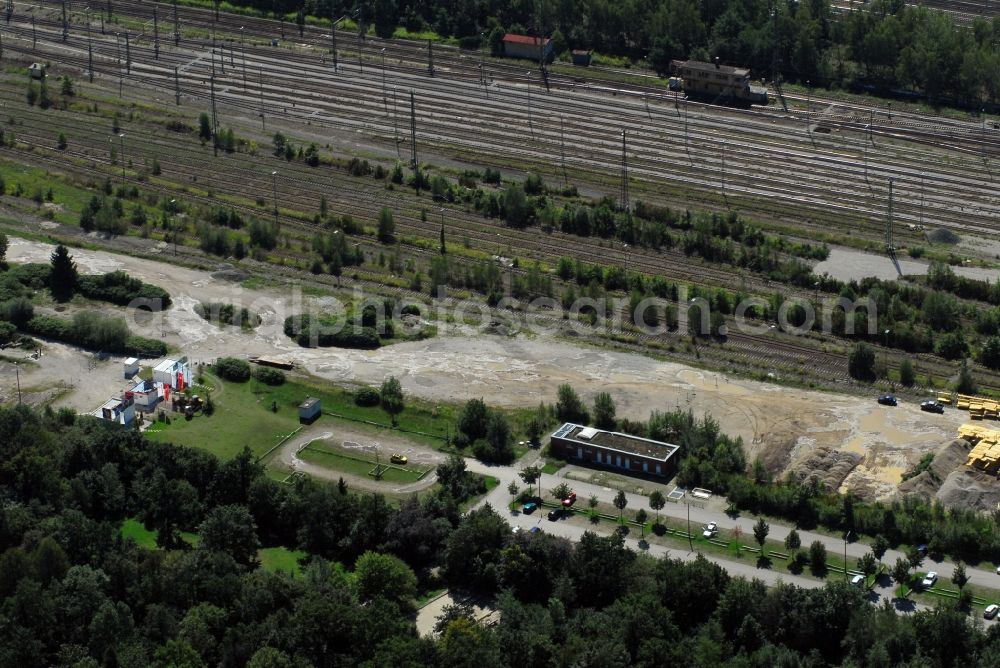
x=886 y=43
x=73 y=592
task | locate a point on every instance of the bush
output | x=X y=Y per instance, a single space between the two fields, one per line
x=270 y=376
x=119 y=288
x=233 y=369
x=367 y=397
x=140 y=346
x=7 y=332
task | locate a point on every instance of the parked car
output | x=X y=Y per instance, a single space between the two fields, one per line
x=929 y=579
x=529 y=507
x=710 y=530
x=887 y=400
x=554 y=514
x=932 y=406
x=569 y=500
x=398 y=458
x=535 y=530
x=515 y=530
x=858 y=581
x=991 y=611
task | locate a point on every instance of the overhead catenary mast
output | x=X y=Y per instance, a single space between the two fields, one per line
x=413 y=131
x=624 y=185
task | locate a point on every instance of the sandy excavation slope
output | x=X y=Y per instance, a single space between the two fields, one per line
x=781 y=425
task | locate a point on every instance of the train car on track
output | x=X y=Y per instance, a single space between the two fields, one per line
x=716 y=83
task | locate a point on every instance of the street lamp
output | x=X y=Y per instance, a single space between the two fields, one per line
x=17 y=372
x=243 y=57
x=443 y=251
x=847 y=537
x=274 y=186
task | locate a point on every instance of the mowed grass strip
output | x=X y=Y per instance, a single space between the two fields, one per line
x=359 y=466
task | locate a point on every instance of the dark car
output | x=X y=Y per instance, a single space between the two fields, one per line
x=529 y=507
x=932 y=406
x=555 y=514
x=887 y=400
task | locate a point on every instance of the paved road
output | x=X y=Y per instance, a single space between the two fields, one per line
x=499 y=498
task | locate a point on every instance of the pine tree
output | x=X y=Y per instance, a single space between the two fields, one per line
x=63 y=280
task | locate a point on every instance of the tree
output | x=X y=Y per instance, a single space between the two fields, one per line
x=385 y=576
x=901 y=572
x=817 y=557
x=66 y=86
x=989 y=354
x=879 y=547
x=231 y=529
x=604 y=411
x=474 y=419
x=866 y=564
x=861 y=363
x=907 y=376
x=530 y=475
x=512 y=488
x=569 y=408
x=63 y=280
x=959 y=577
x=656 y=502
x=61 y=141
x=4 y=244
x=204 y=128
x=560 y=491
x=620 y=502
x=966 y=384
x=792 y=540
x=497 y=446
x=760 y=531
x=514 y=204
x=386 y=226
x=915 y=558
x=391 y=398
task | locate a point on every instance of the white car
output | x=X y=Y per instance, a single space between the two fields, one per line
x=710 y=530
x=991 y=611
x=929 y=579
x=516 y=529
x=858 y=581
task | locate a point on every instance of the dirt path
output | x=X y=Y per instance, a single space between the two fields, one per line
x=364 y=441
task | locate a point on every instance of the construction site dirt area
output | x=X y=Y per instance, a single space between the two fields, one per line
x=787 y=428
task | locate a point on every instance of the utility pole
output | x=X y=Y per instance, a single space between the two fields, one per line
x=430 y=57
x=109 y=11
x=921 y=199
x=333 y=43
x=260 y=85
x=395 y=122
x=215 y=117
x=9 y=12
x=90 y=51
x=243 y=59
x=888 y=223
x=121 y=140
x=413 y=131
x=17 y=372
x=274 y=185
x=177 y=27
x=121 y=73
x=385 y=96
x=177 y=86
x=156 y=35
x=34 y=34
x=690 y=542
x=562 y=150
x=531 y=128
x=128 y=55
x=624 y=186
x=65 y=22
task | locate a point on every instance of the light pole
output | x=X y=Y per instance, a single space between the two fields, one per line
x=443 y=250
x=808 y=107
x=847 y=537
x=243 y=58
x=531 y=128
x=274 y=187
x=17 y=372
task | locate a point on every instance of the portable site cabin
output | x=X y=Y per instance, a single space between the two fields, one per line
x=130 y=367
x=309 y=410
x=174 y=373
x=36 y=70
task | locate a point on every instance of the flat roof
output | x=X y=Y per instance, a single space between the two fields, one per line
x=705 y=67
x=309 y=403
x=131 y=360
x=112 y=404
x=166 y=365
x=524 y=39
x=613 y=440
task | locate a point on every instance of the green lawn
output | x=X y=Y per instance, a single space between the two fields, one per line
x=275 y=559
x=243 y=417
x=330 y=457
x=272 y=559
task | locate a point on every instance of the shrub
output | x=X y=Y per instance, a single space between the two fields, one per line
x=119 y=288
x=233 y=369
x=7 y=332
x=270 y=376
x=140 y=346
x=367 y=397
